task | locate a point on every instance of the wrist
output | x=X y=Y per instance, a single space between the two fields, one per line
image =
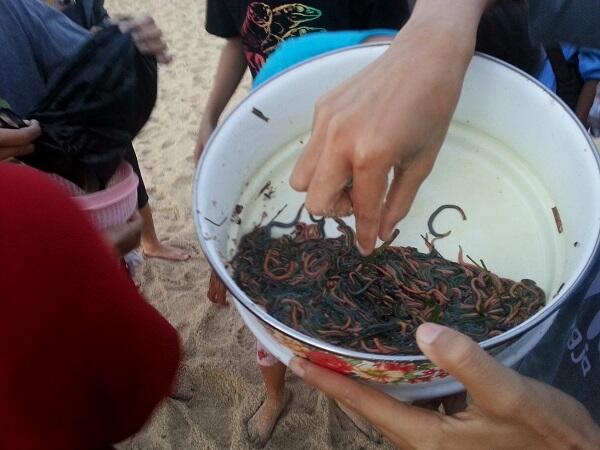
x=462 y=11
x=454 y=29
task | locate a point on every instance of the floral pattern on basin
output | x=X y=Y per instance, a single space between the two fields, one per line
x=376 y=371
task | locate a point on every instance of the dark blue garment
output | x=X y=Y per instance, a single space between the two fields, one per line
x=568 y=357
x=90 y=14
x=573 y=21
x=96 y=104
x=34 y=40
x=87 y=13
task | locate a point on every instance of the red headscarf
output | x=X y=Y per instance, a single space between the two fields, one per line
x=83 y=358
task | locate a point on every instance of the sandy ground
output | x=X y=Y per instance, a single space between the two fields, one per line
x=219 y=357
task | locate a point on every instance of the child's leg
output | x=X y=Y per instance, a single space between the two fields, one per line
x=151 y=246
x=261 y=424
x=586 y=101
x=217 y=291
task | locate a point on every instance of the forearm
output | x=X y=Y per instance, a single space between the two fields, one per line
x=465 y=12
x=230 y=71
x=455 y=26
x=438 y=39
x=586 y=100
x=412 y=3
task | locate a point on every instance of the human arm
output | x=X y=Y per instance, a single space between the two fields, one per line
x=589 y=68
x=231 y=68
x=18 y=142
x=393 y=114
x=508 y=410
x=144 y=31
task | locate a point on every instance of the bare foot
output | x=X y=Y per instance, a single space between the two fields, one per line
x=261 y=424
x=362 y=424
x=164 y=251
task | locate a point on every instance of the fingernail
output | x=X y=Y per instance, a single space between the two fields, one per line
x=361 y=250
x=429 y=332
x=296 y=366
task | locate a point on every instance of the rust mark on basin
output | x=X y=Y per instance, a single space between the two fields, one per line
x=557 y=219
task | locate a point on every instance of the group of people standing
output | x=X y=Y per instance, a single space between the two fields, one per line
x=548 y=403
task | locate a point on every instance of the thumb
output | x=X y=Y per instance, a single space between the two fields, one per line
x=494 y=387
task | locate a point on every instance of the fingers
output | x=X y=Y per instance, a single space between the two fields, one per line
x=501 y=392
x=149 y=40
x=128 y=24
x=401 y=423
x=21 y=137
x=18 y=142
x=324 y=171
x=307 y=163
x=368 y=192
x=402 y=192
x=15 y=152
x=492 y=385
x=163 y=58
x=147 y=36
x=329 y=135
x=327 y=194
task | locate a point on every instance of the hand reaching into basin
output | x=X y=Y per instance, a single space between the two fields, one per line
x=392 y=115
x=508 y=410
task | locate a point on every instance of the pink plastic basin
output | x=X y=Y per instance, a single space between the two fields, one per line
x=111 y=206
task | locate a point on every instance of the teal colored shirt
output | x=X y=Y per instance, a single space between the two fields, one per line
x=296 y=50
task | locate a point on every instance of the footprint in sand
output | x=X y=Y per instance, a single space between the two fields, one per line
x=167 y=144
x=244 y=340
